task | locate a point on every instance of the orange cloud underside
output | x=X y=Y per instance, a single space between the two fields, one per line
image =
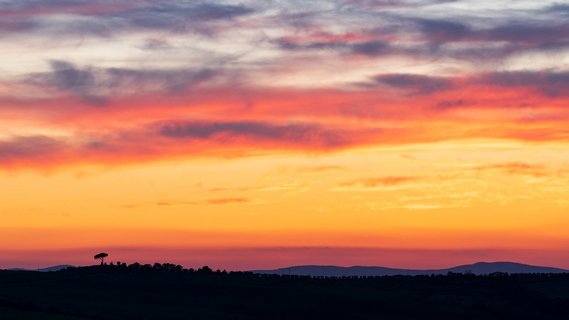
x=295 y=120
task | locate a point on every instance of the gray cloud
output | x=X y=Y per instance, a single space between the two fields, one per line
x=533 y=35
x=443 y=30
x=549 y=83
x=173 y=81
x=67 y=77
x=309 y=134
x=494 y=42
x=518 y=35
x=367 y=48
x=417 y=84
x=372 y=48
x=104 y=18
x=21 y=149
x=96 y=85
x=180 y=18
x=12 y=25
x=558 y=8
x=19 y=6
x=396 y=3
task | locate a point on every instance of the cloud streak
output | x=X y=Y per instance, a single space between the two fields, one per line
x=291 y=134
x=106 y=18
x=389 y=181
x=516 y=168
x=95 y=85
x=174 y=139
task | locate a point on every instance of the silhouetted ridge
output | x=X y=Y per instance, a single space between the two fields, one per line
x=169 y=292
x=48 y=269
x=479 y=268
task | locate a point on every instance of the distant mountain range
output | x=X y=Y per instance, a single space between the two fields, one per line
x=479 y=268
x=48 y=269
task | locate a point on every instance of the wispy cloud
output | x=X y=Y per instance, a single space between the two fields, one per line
x=106 y=18
x=548 y=83
x=27 y=150
x=96 y=85
x=291 y=134
x=227 y=200
x=416 y=84
x=175 y=203
x=388 y=181
x=318 y=169
x=516 y=168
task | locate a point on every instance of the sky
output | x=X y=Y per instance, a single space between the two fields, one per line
x=268 y=133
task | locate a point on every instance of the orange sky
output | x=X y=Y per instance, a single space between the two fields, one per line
x=255 y=135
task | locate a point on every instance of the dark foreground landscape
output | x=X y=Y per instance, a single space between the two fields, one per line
x=170 y=292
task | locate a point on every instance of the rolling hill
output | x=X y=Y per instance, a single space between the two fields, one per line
x=479 y=268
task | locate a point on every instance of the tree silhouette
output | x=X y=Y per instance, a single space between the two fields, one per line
x=101 y=256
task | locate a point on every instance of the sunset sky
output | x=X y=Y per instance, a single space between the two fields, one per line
x=268 y=133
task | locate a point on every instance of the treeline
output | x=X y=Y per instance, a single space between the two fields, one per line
x=206 y=270
x=161 y=267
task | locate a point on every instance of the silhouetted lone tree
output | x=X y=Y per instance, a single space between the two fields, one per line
x=101 y=256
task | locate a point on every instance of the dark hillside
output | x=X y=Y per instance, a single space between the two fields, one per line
x=169 y=292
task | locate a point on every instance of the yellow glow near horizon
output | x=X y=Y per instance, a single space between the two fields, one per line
x=443 y=195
